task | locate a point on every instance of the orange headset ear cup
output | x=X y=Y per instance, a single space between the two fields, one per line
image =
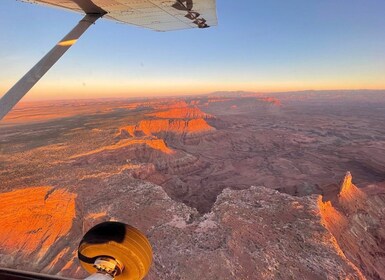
x=124 y=243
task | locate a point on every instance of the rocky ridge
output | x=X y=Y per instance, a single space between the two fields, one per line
x=256 y=233
x=356 y=218
x=187 y=112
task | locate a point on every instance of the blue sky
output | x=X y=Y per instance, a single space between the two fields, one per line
x=257 y=46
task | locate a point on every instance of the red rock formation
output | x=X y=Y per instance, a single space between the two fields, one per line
x=162 y=103
x=357 y=221
x=153 y=143
x=126 y=131
x=350 y=197
x=167 y=104
x=256 y=96
x=33 y=219
x=182 y=113
x=174 y=126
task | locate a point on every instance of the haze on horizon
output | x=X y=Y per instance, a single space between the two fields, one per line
x=259 y=46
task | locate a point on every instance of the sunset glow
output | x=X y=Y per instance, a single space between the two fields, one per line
x=267 y=47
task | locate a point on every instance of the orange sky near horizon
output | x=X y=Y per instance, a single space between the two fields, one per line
x=259 y=46
x=49 y=90
x=262 y=47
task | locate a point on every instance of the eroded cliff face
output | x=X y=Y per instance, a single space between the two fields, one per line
x=177 y=122
x=356 y=218
x=167 y=127
x=256 y=233
x=33 y=221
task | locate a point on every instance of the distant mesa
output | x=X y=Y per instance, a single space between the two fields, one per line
x=247 y=103
x=175 y=119
x=222 y=96
x=270 y=100
x=167 y=104
x=232 y=94
x=191 y=112
x=165 y=127
x=156 y=104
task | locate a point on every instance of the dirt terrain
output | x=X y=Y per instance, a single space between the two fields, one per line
x=195 y=155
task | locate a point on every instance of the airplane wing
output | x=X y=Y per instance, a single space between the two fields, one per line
x=159 y=15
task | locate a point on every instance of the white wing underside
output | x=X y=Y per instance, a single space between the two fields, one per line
x=159 y=15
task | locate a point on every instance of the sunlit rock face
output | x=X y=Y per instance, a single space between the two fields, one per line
x=356 y=218
x=34 y=221
x=174 y=121
x=182 y=113
x=350 y=197
x=167 y=127
x=127 y=148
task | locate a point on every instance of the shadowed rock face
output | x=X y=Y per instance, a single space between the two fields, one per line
x=255 y=233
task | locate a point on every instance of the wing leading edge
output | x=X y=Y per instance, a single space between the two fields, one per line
x=159 y=15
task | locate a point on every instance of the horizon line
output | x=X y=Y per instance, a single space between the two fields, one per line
x=32 y=100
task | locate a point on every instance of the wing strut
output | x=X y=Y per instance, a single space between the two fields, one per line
x=13 y=96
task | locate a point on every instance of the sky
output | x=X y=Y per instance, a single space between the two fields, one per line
x=258 y=45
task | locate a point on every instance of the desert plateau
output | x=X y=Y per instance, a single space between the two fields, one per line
x=226 y=185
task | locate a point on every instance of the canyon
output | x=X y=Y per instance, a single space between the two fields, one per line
x=230 y=185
